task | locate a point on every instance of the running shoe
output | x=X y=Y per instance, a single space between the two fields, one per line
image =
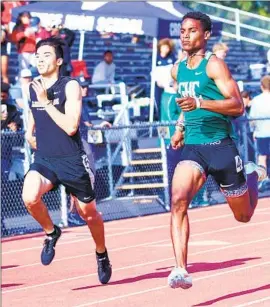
x=179 y=278
x=48 y=251
x=250 y=167
x=264 y=185
x=104 y=268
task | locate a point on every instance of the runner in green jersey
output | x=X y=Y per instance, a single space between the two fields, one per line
x=208 y=95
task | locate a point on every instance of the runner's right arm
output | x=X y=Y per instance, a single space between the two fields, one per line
x=177 y=140
x=31 y=139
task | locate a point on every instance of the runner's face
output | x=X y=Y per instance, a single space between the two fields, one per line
x=46 y=60
x=192 y=35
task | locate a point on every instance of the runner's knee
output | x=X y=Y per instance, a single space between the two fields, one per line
x=30 y=199
x=88 y=212
x=180 y=202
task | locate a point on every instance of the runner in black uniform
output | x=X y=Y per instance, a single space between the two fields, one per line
x=56 y=106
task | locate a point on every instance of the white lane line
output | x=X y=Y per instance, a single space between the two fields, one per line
x=126 y=232
x=196 y=243
x=151 y=243
x=133 y=266
x=114 y=298
x=255 y=302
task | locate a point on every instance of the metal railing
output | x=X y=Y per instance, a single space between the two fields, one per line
x=238 y=24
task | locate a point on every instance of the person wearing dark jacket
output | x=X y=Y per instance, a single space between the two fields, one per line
x=67 y=37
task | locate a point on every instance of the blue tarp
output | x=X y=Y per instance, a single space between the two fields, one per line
x=138 y=17
x=123 y=17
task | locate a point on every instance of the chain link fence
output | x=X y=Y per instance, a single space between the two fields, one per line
x=133 y=166
x=14 y=164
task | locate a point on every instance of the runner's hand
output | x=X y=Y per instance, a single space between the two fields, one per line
x=105 y=124
x=32 y=141
x=186 y=104
x=40 y=89
x=177 y=140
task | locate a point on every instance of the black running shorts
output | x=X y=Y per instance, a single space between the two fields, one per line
x=221 y=160
x=73 y=172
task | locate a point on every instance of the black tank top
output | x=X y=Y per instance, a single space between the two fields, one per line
x=51 y=139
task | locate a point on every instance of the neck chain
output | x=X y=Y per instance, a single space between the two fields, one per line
x=191 y=56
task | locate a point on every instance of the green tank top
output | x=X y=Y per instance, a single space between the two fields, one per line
x=201 y=126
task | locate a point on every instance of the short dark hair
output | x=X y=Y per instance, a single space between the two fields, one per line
x=54 y=42
x=108 y=51
x=203 y=18
x=5 y=87
x=245 y=94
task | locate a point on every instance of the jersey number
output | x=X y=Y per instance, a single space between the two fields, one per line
x=238 y=164
x=86 y=164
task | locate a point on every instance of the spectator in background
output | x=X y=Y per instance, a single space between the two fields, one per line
x=20 y=89
x=11 y=122
x=40 y=32
x=4 y=41
x=23 y=35
x=243 y=129
x=247 y=101
x=10 y=116
x=85 y=90
x=162 y=74
x=260 y=108
x=220 y=50
x=26 y=33
x=67 y=36
x=104 y=72
x=9 y=5
x=268 y=62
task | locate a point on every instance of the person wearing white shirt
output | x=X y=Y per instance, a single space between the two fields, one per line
x=260 y=108
x=104 y=72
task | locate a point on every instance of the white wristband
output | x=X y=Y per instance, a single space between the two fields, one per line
x=198 y=103
x=180 y=126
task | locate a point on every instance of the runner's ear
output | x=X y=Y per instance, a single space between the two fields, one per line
x=59 y=62
x=207 y=35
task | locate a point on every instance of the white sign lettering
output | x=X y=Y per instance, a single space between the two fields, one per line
x=119 y=25
x=175 y=29
x=80 y=22
x=48 y=19
x=91 y=23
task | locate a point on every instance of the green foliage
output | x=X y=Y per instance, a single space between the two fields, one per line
x=256 y=7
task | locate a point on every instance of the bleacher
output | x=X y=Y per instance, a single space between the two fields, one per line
x=241 y=54
x=133 y=60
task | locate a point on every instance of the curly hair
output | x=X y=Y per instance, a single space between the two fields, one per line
x=220 y=46
x=203 y=18
x=168 y=42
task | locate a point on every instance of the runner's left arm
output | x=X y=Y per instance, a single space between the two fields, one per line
x=232 y=105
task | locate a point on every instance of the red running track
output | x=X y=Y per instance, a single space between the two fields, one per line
x=229 y=262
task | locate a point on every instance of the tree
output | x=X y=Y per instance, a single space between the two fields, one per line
x=256 y=7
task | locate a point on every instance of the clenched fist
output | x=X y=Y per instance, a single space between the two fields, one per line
x=177 y=140
x=186 y=103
